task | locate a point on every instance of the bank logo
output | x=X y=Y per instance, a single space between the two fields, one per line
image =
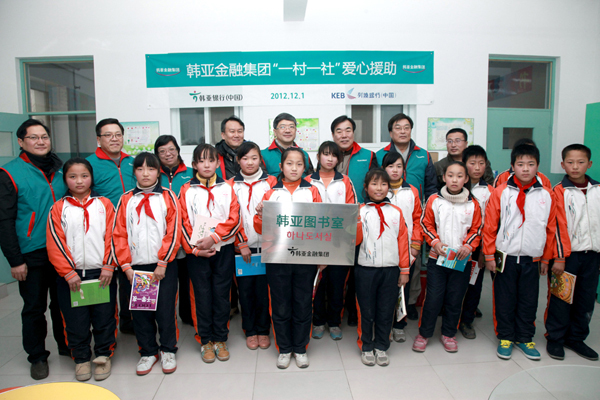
x=350 y=96
x=167 y=71
x=413 y=69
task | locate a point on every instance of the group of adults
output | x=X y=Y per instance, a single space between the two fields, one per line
x=31 y=183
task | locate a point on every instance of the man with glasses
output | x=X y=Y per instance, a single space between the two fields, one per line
x=29 y=185
x=284 y=128
x=113 y=176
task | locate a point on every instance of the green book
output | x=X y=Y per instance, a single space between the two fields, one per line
x=90 y=293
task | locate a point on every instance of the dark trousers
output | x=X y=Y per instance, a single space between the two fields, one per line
x=404 y=321
x=328 y=304
x=211 y=287
x=472 y=299
x=571 y=322
x=290 y=301
x=516 y=292
x=254 y=300
x=165 y=316
x=445 y=288
x=41 y=279
x=350 y=298
x=124 y=296
x=78 y=320
x=185 y=307
x=376 y=296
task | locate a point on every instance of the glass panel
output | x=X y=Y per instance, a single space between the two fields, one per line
x=72 y=135
x=363 y=116
x=217 y=115
x=511 y=135
x=66 y=86
x=191 y=121
x=6 y=138
x=519 y=84
x=387 y=112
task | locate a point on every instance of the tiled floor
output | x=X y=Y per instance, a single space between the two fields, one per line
x=335 y=371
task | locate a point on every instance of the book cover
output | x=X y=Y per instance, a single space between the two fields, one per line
x=500 y=257
x=203 y=227
x=90 y=293
x=563 y=286
x=254 y=267
x=474 y=272
x=144 y=292
x=451 y=261
x=400 y=305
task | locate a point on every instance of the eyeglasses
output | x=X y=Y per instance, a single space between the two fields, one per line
x=406 y=128
x=44 y=138
x=172 y=150
x=112 y=135
x=284 y=127
x=455 y=141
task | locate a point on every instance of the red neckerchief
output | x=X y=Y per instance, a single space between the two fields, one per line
x=86 y=214
x=145 y=203
x=381 y=217
x=521 y=196
x=211 y=197
x=250 y=194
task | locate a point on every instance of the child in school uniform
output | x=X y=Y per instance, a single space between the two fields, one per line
x=383 y=266
x=475 y=158
x=290 y=285
x=211 y=272
x=146 y=237
x=78 y=242
x=451 y=218
x=334 y=187
x=520 y=220
x=406 y=196
x=250 y=185
x=503 y=176
x=578 y=212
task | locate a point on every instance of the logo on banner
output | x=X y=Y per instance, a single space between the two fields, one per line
x=167 y=71
x=199 y=97
x=350 y=96
x=413 y=69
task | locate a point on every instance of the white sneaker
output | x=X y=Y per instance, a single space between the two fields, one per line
x=301 y=360
x=283 y=361
x=367 y=358
x=169 y=364
x=318 y=331
x=399 y=335
x=144 y=366
x=382 y=358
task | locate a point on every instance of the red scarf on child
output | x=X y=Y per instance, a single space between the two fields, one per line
x=86 y=214
x=521 y=197
x=381 y=217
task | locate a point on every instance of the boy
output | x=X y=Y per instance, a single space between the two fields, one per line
x=475 y=158
x=503 y=176
x=520 y=220
x=578 y=212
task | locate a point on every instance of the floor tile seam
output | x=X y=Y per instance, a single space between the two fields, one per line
x=345 y=371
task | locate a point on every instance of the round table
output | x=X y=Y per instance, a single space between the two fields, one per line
x=60 y=391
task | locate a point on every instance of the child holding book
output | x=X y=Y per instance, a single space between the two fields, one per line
x=211 y=271
x=578 y=211
x=406 y=196
x=520 y=221
x=383 y=266
x=290 y=285
x=452 y=219
x=250 y=185
x=146 y=237
x=334 y=187
x=475 y=158
x=78 y=242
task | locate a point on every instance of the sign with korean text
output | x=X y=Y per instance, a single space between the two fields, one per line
x=309 y=233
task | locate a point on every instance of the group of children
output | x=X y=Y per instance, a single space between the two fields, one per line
x=533 y=224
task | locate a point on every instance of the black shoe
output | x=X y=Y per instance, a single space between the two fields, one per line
x=64 y=352
x=39 y=370
x=582 y=350
x=352 y=319
x=411 y=312
x=555 y=350
x=478 y=313
x=467 y=331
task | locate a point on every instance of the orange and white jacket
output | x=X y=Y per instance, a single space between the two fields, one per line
x=503 y=177
x=579 y=214
x=383 y=249
x=454 y=224
x=340 y=190
x=304 y=193
x=407 y=198
x=249 y=196
x=505 y=230
x=195 y=199
x=76 y=243
x=141 y=239
x=482 y=191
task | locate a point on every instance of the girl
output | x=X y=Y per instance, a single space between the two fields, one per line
x=290 y=285
x=383 y=266
x=405 y=196
x=333 y=188
x=211 y=272
x=452 y=218
x=250 y=185
x=78 y=243
x=146 y=236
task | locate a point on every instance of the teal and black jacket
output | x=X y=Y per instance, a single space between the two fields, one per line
x=110 y=180
x=272 y=158
x=175 y=181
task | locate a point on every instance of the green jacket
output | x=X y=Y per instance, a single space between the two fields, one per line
x=272 y=158
x=182 y=176
x=111 y=181
x=361 y=161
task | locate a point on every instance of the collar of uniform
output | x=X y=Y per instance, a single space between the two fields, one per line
x=274 y=145
x=372 y=203
x=195 y=181
x=180 y=168
x=157 y=189
x=103 y=156
x=355 y=148
x=316 y=176
x=303 y=184
x=93 y=194
x=481 y=182
x=239 y=178
x=511 y=182
x=566 y=182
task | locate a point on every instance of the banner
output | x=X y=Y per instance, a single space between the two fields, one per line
x=309 y=233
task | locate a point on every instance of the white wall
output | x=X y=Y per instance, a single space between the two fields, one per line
x=461 y=33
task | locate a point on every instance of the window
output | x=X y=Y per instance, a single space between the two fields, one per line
x=372 y=121
x=519 y=84
x=195 y=123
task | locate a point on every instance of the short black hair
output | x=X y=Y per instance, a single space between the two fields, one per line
x=146 y=157
x=22 y=131
x=283 y=117
x=390 y=158
x=399 y=117
x=232 y=118
x=524 y=150
x=458 y=130
x=375 y=173
x=108 y=121
x=577 y=147
x=451 y=163
x=203 y=150
x=77 y=160
x=245 y=148
x=285 y=155
x=524 y=141
x=330 y=147
x=339 y=120
x=164 y=140
x=474 y=151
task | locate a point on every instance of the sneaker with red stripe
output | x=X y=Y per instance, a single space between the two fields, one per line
x=420 y=344
x=144 y=366
x=449 y=343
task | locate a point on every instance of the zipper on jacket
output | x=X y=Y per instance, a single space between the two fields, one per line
x=83 y=242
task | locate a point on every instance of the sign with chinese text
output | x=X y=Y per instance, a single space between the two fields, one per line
x=309 y=233
x=139 y=136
